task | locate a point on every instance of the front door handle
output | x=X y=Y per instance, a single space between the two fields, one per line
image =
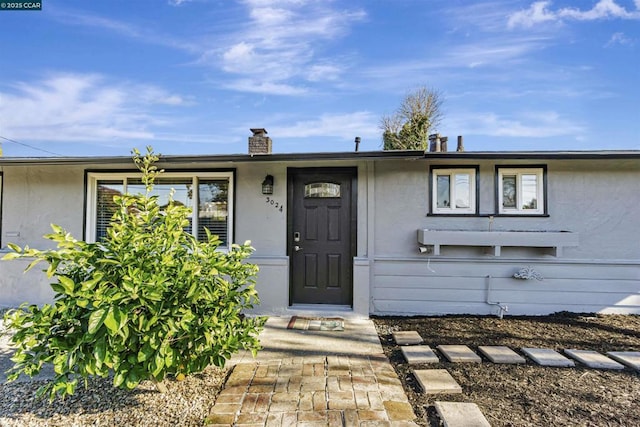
x=297 y=248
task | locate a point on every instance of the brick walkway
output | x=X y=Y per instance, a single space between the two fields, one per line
x=313 y=391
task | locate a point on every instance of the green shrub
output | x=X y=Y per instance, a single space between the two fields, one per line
x=147 y=301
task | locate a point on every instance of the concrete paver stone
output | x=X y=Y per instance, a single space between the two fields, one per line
x=399 y=411
x=435 y=381
x=416 y=354
x=407 y=337
x=629 y=358
x=314 y=378
x=458 y=414
x=593 y=359
x=459 y=354
x=501 y=354
x=548 y=357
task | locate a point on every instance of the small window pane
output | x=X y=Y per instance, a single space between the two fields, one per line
x=521 y=191
x=321 y=190
x=529 y=191
x=181 y=188
x=105 y=206
x=213 y=212
x=509 y=192
x=444 y=191
x=463 y=190
x=162 y=188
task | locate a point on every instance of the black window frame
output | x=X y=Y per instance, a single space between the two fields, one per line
x=194 y=172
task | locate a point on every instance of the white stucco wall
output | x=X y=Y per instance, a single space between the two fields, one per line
x=34 y=197
x=597 y=199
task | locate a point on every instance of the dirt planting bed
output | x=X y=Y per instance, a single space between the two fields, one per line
x=527 y=395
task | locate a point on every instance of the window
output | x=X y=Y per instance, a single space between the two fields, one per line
x=453 y=191
x=210 y=192
x=521 y=191
x=321 y=190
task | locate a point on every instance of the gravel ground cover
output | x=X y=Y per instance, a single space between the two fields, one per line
x=186 y=403
x=508 y=395
x=527 y=395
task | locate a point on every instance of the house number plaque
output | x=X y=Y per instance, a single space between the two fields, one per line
x=277 y=205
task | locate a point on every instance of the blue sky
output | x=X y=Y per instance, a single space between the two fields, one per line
x=192 y=76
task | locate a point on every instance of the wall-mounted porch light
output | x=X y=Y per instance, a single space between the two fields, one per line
x=267 y=185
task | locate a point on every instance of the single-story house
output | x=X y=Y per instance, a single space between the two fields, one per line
x=371 y=233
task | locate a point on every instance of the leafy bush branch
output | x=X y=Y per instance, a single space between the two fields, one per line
x=147 y=301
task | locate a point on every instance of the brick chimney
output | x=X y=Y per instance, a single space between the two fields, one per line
x=259 y=143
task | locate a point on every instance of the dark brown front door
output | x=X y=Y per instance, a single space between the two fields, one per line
x=321 y=233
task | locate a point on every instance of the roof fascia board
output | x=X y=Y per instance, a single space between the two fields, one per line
x=360 y=155
x=231 y=158
x=551 y=155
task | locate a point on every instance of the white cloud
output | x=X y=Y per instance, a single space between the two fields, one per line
x=449 y=64
x=536 y=14
x=268 y=88
x=540 y=12
x=121 y=28
x=270 y=16
x=538 y=124
x=491 y=52
x=82 y=108
x=485 y=16
x=619 y=38
x=346 y=126
x=324 y=72
x=277 y=47
x=239 y=57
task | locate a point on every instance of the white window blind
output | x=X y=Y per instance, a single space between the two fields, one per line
x=210 y=193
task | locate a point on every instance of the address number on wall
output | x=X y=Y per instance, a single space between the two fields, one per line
x=277 y=205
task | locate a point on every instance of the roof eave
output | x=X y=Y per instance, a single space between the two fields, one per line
x=353 y=155
x=220 y=158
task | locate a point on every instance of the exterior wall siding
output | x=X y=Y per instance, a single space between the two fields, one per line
x=597 y=200
x=458 y=286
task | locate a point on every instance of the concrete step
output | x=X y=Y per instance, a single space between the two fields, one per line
x=501 y=354
x=548 y=357
x=407 y=337
x=593 y=359
x=417 y=354
x=436 y=381
x=629 y=358
x=414 y=354
x=459 y=354
x=458 y=414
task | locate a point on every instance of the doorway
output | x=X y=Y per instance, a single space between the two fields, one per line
x=321 y=233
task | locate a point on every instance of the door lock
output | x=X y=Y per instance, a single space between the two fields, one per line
x=296 y=236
